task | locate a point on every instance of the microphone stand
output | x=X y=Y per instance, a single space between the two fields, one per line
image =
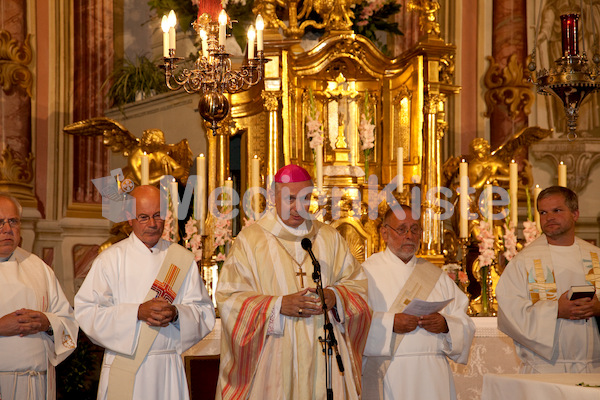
x=329 y=343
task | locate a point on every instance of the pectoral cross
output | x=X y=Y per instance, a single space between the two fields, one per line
x=301 y=274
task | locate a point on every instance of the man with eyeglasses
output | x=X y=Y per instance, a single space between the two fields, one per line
x=406 y=355
x=37 y=327
x=144 y=301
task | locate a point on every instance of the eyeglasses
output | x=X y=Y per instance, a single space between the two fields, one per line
x=144 y=219
x=12 y=222
x=403 y=230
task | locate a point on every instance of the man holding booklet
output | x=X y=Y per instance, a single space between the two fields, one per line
x=419 y=319
x=547 y=295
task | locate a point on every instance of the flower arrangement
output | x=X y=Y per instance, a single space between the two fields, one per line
x=510 y=243
x=314 y=128
x=486 y=244
x=193 y=239
x=366 y=133
x=530 y=231
x=170 y=231
x=222 y=238
x=456 y=273
x=374 y=15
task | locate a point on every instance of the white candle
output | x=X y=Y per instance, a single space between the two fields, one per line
x=255 y=172
x=251 y=36
x=562 y=174
x=164 y=24
x=514 y=189
x=222 y=27
x=488 y=202
x=536 y=216
x=260 y=26
x=175 y=199
x=319 y=154
x=204 y=38
x=172 y=34
x=464 y=199
x=400 y=168
x=201 y=193
x=145 y=169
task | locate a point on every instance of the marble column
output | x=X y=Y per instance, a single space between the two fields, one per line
x=509 y=37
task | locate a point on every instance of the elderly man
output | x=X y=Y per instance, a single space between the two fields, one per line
x=406 y=355
x=271 y=317
x=553 y=334
x=144 y=301
x=37 y=328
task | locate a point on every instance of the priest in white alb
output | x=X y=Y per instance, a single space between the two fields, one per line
x=144 y=301
x=407 y=355
x=37 y=327
x=553 y=334
x=271 y=317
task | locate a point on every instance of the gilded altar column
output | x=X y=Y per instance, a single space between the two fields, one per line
x=509 y=52
x=16 y=158
x=271 y=99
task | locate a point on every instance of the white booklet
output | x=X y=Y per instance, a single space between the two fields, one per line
x=419 y=307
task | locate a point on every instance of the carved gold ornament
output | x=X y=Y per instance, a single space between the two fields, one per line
x=14 y=58
x=427 y=15
x=508 y=86
x=13 y=168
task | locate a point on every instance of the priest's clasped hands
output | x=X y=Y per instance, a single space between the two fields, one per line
x=23 y=322
x=157 y=312
x=583 y=308
x=434 y=323
x=304 y=305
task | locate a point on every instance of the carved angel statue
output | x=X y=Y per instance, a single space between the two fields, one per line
x=164 y=159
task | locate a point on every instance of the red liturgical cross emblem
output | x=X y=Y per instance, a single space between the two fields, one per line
x=165 y=289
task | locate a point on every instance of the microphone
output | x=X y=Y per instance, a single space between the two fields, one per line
x=307 y=245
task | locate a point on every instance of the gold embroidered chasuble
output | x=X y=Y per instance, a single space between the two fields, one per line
x=287 y=363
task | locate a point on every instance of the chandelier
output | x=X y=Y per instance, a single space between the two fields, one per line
x=211 y=74
x=571 y=78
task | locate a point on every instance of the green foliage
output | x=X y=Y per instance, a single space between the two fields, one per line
x=378 y=21
x=184 y=9
x=131 y=77
x=77 y=376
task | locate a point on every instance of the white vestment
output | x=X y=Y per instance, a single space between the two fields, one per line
x=528 y=309
x=419 y=369
x=27 y=282
x=107 y=305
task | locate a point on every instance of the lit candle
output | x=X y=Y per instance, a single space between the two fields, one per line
x=201 y=191
x=260 y=26
x=562 y=174
x=204 y=38
x=536 y=216
x=174 y=199
x=222 y=27
x=464 y=199
x=255 y=172
x=514 y=189
x=400 y=168
x=251 y=36
x=164 y=24
x=145 y=170
x=172 y=34
x=319 y=153
x=488 y=202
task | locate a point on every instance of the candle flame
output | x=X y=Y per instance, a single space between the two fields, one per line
x=164 y=24
x=260 y=23
x=172 y=19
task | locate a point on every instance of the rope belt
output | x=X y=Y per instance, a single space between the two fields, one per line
x=30 y=384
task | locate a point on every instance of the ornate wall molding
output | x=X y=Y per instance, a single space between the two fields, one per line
x=14 y=58
x=508 y=86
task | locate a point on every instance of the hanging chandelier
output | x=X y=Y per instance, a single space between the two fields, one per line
x=571 y=78
x=211 y=74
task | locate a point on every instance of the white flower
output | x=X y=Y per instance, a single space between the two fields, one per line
x=366 y=133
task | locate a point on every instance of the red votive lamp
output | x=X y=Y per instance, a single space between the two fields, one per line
x=570 y=44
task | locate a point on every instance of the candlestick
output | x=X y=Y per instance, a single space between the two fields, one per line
x=145 y=169
x=319 y=151
x=562 y=174
x=255 y=172
x=222 y=27
x=488 y=202
x=201 y=193
x=400 y=169
x=536 y=216
x=251 y=36
x=464 y=199
x=260 y=26
x=164 y=24
x=174 y=189
x=204 y=37
x=172 y=34
x=514 y=189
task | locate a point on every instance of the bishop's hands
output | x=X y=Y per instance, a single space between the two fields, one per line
x=23 y=322
x=157 y=312
x=434 y=323
x=583 y=308
x=302 y=304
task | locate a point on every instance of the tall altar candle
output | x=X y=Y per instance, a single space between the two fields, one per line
x=399 y=168
x=260 y=26
x=164 y=24
x=174 y=189
x=251 y=36
x=536 y=216
x=172 y=34
x=562 y=174
x=204 y=38
x=255 y=172
x=145 y=170
x=514 y=189
x=222 y=27
x=464 y=200
x=488 y=202
x=319 y=162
